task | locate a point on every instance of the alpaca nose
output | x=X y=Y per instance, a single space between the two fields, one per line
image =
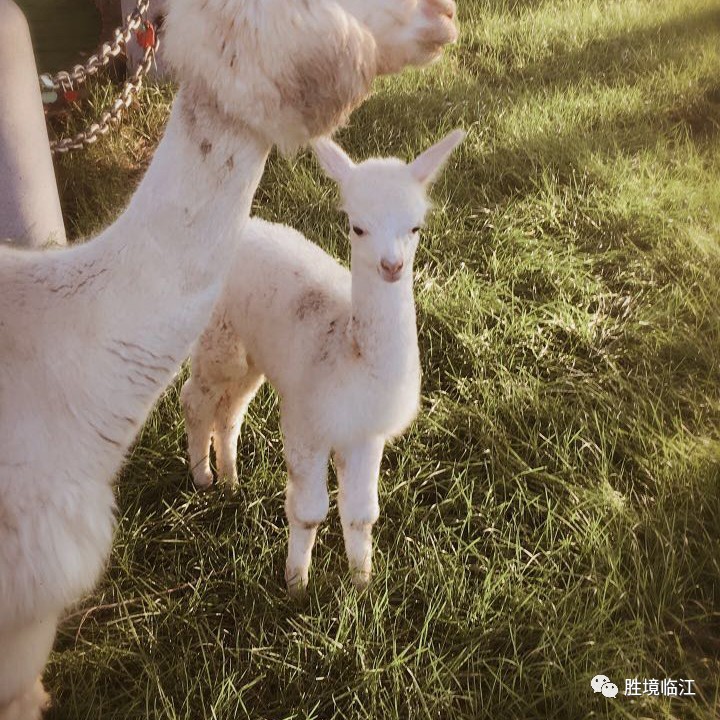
x=391 y=268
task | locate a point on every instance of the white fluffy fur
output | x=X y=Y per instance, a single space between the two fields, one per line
x=339 y=347
x=407 y=31
x=89 y=336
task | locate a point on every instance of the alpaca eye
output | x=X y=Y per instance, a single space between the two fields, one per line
x=358 y=231
x=416 y=230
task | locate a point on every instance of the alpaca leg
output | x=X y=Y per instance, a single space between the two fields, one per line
x=306 y=506
x=24 y=652
x=358 y=468
x=229 y=416
x=28 y=705
x=407 y=32
x=199 y=405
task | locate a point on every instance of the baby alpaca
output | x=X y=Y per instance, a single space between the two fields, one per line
x=339 y=347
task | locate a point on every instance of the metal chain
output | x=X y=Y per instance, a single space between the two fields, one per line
x=65 y=80
x=112 y=115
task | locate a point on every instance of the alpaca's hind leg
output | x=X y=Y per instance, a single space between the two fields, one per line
x=358 y=469
x=23 y=654
x=229 y=416
x=199 y=404
x=306 y=505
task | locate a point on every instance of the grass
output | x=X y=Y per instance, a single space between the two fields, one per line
x=554 y=512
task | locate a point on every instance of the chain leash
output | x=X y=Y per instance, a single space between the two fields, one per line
x=111 y=116
x=65 y=80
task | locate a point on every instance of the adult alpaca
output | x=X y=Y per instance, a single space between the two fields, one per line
x=89 y=336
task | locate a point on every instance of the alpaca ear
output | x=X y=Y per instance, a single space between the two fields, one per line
x=425 y=167
x=332 y=158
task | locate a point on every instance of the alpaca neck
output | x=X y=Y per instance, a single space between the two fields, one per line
x=196 y=193
x=206 y=162
x=175 y=237
x=383 y=328
x=159 y=271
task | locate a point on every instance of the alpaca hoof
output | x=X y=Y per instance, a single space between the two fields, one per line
x=296 y=580
x=297 y=593
x=231 y=488
x=361 y=579
x=203 y=480
x=29 y=706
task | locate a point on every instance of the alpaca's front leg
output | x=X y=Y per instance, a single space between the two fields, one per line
x=407 y=32
x=28 y=705
x=306 y=506
x=23 y=653
x=358 y=469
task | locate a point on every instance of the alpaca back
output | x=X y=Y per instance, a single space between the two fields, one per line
x=287 y=300
x=287 y=305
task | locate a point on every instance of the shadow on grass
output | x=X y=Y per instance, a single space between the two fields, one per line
x=482 y=100
x=512 y=168
x=640 y=51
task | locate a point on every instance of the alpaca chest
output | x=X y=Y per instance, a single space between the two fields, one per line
x=371 y=403
x=56 y=538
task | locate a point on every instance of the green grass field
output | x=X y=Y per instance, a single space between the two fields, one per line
x=554 y=512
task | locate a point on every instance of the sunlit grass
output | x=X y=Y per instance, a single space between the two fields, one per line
x=554 y=512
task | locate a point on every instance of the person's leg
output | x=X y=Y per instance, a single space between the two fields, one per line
x=29 y=205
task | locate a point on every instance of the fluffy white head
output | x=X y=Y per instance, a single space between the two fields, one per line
x=289 y=71
x=386 y=202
